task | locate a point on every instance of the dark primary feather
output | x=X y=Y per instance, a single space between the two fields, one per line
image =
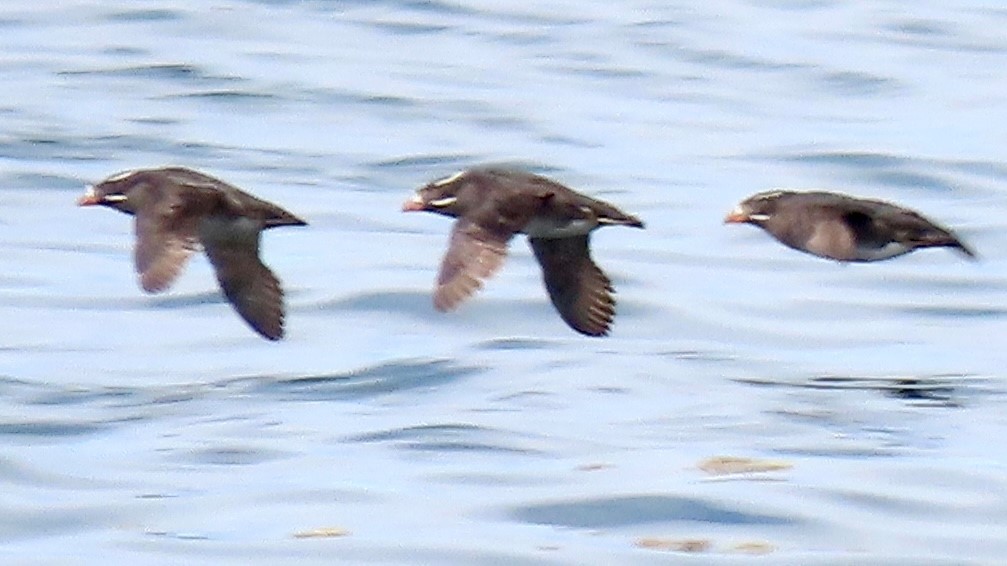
x=232 y=245
x=579 y=290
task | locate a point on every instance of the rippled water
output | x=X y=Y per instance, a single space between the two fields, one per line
x=160 y=430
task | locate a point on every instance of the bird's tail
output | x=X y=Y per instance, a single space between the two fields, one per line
x=280 y=217
x=617 y=217
x=964 y=249
x=947 y=239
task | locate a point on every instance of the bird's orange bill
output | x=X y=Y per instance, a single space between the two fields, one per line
x=89 y=198
x=414 y=204
x=736 y=217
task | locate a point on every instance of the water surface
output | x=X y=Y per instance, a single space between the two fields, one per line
x=160 y=430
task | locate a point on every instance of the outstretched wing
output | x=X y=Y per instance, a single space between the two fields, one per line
x=232 y=244
x=165 y=238
x=474 y=254
x=579 y=290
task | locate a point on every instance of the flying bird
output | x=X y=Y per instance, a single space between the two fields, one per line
x=841 y=227
x=492 y=205
x=179 y=211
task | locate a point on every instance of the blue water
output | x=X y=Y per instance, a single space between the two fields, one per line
x=161 y=430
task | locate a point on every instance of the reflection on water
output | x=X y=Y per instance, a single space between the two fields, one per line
x=634 y=510
x=931 y=391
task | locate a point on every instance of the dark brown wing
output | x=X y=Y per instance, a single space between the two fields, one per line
x=232 y=244
x=165 y=238
x=474 y=254
x=912 y=229
x=579 y=290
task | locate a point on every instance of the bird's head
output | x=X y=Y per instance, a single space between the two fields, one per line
x=121 y=191
x=443 y=196
x=756 y=209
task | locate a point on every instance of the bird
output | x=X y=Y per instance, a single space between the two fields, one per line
x=179 y=211
x=492 y=204
x=842 y=227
